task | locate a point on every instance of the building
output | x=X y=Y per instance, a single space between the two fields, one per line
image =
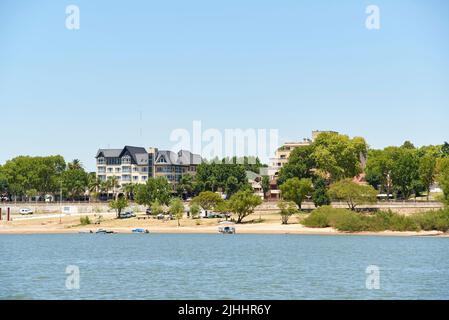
x=136 y=164
x=255 y=180
x=174 y=165
x=128 y=165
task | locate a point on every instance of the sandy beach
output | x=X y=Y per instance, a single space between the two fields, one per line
x=255 y=224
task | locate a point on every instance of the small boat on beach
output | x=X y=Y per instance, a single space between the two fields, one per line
x=226 y=227
x=104 y=231
x=85 y=232
x=140 y=230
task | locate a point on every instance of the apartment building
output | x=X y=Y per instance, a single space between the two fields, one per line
x=128 y=165
x=136 y=164
x=174 y=165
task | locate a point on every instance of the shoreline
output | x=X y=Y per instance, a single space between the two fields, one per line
x=256 y=224
x=262 y=230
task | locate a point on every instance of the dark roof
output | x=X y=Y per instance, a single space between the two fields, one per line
x=138 y=154
x=183 y=157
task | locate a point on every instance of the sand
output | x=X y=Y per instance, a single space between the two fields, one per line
x=255 y=224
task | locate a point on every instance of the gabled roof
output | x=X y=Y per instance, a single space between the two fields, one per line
x=108 y=153
x=138 y=154
x=183 y=157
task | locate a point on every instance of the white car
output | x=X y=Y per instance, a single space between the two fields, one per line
x=25 y=211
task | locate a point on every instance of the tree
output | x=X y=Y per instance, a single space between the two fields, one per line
x=214 y=176
x=75 y=182
x=427 y=167
x=232 y=186
x=443 y=177
x=177 y=209
x=208 y=200
x=243 y=204
x=113 y=184
x=338 y=156
x=296 y=190
x=93 y=185
x=185 y=185
x=352 y=193
x=287 y=209
x=194 y=210
x=445 y=149
x=300 y=165
x=128 y=190
x=265 y=185
x=156 y=208
x=405 y=170
x=154 y=189
x=320 y=197
x=75 y=165
x=378 y=169
x=118 y=205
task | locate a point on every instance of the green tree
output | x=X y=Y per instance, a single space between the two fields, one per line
x=177 y=209
x=128 y=190
x=118 y=205
x=243 y=204
x=445 y=149
x=338 y=156
x=75 y=182
x=154 y=189
x=352 y=193
x=265 y=185
x=185 y=186
x=405 y=170
x=232 y=186
x=194 y=210
x=296 y=190
x=287 y=209
x=320 y=197
x=300 y=165
x=427 y=167
x=156 y=208
x=443 y=177
x=208 y=200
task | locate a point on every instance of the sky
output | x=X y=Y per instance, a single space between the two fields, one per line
x=137 y=70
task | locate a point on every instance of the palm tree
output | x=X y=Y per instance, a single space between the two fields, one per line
x=128 y=190
x=75 y=165
x=114 y=185
x=94 y=184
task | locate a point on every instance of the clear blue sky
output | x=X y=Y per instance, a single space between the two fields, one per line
x=136 y=70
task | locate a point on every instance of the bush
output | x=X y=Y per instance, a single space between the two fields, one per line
x=345 y=220
x=433 y=220
x=85 y=221
x=324 y=217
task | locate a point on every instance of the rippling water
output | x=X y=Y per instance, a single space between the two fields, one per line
x=185 y=266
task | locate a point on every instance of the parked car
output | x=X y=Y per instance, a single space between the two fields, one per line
x=148 y=211
x=127 y=215
x=25 y=211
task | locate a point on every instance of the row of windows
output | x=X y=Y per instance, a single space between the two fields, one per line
x=123 y=169
x=125 y=178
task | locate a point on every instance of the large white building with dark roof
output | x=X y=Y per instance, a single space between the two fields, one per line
x=136 y=164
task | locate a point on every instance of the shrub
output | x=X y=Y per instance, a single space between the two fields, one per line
x=85 y=221
x=324 y=217
x=433 y=220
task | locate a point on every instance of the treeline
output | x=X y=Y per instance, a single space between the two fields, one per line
x=25 y=177
x=334 y=167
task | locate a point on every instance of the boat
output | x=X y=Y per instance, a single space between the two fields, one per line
x=140 y=230
x=226 y=227
x=103 y=231
x=84 y=232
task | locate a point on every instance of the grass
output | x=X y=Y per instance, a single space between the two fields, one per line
x=345 y=220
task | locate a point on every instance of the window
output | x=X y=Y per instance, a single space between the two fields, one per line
x=135 y=178
x=101 y=170
x=117 y=169
x=126 y=169
x=126 y=159
x=109 y=169
x=144 y=178
x=100 y=160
